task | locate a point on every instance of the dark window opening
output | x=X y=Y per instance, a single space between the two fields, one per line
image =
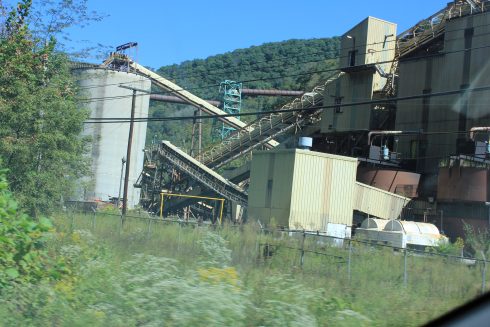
x=352 y=58
x=338 y=108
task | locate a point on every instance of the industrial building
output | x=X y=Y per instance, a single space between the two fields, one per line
x=304 y=190
x=109 y=141
x=400 y=132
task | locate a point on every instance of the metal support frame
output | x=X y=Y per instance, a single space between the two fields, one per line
x=231 y=92
x=162 y=195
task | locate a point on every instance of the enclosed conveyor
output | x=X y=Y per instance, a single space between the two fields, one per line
x=178 y=91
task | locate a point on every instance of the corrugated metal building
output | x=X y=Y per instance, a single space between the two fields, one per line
x=461 y=63
x=369 y=42
x=301 y=189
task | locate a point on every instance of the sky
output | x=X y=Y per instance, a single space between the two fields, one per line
x=170 y=32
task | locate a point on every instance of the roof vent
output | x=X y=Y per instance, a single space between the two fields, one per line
x=305 y=143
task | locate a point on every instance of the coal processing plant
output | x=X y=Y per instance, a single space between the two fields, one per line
x=394 y=144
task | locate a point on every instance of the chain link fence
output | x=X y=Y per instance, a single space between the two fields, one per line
x=301 y=251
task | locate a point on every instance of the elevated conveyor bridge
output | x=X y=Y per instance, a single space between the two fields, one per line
x=427 y=30
x=262 y=132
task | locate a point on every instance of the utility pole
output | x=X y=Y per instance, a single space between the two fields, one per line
x=128 y=154
x=123 y=161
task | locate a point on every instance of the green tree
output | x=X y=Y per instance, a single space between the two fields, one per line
x=40 y=139
x=23 y=258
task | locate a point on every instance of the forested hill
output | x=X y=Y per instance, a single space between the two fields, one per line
x=289 y=65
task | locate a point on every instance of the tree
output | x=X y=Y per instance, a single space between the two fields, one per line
x=23 y=257
x=40 y=139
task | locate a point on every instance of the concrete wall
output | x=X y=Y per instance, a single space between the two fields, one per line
x=109 y=141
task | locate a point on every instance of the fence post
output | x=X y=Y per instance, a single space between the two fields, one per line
x=93 y=219
x=405 y=276
x=148 y=231
x=349 y=261
x=302 y=259
x=483 y=273
x=178 y=237
x=72 y=222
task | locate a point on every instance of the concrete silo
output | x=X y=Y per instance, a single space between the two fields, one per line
x=106 y=99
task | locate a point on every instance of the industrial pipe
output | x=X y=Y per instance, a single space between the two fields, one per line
x=371 y=133
x=272 y=92
x=474 y=130
x=174 y=99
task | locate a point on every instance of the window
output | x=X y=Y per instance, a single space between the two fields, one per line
x=352 y=58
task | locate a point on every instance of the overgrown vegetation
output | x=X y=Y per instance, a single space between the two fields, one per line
x=184 y=275
x=23 y=258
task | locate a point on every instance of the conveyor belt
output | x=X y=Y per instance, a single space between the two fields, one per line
x=428 y=30
x=178 y=91
x=168 y=154
x=266 y=128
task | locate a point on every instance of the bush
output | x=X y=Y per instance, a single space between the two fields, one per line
x=23 y=255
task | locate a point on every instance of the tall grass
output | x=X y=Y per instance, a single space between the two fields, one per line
x=152 y=273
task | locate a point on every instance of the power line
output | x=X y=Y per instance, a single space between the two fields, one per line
x=352 y=104
x=287 y=57
x=296 y=75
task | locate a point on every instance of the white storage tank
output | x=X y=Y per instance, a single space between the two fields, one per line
x=106 y=99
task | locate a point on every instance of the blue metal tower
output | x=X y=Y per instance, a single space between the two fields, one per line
x=231 y=93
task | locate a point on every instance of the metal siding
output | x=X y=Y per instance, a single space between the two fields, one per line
x=308 y=191
x=378 y=203
x=342 y=181
x=258 y=180
x=282 y=176
x=261 y=214
x=355 y=87
x=359 y=32
x=378 y=50
x=276 y=168
x=446 y=74
x=327 y=116
x=323 y=189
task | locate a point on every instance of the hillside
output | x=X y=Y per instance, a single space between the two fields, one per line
x=266 y=65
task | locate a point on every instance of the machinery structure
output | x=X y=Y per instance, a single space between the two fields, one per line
x=387 y=105
x=231 y=94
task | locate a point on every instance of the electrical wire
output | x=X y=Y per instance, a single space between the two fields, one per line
x=293 y=75
x=258 y=113
x=312 y=61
